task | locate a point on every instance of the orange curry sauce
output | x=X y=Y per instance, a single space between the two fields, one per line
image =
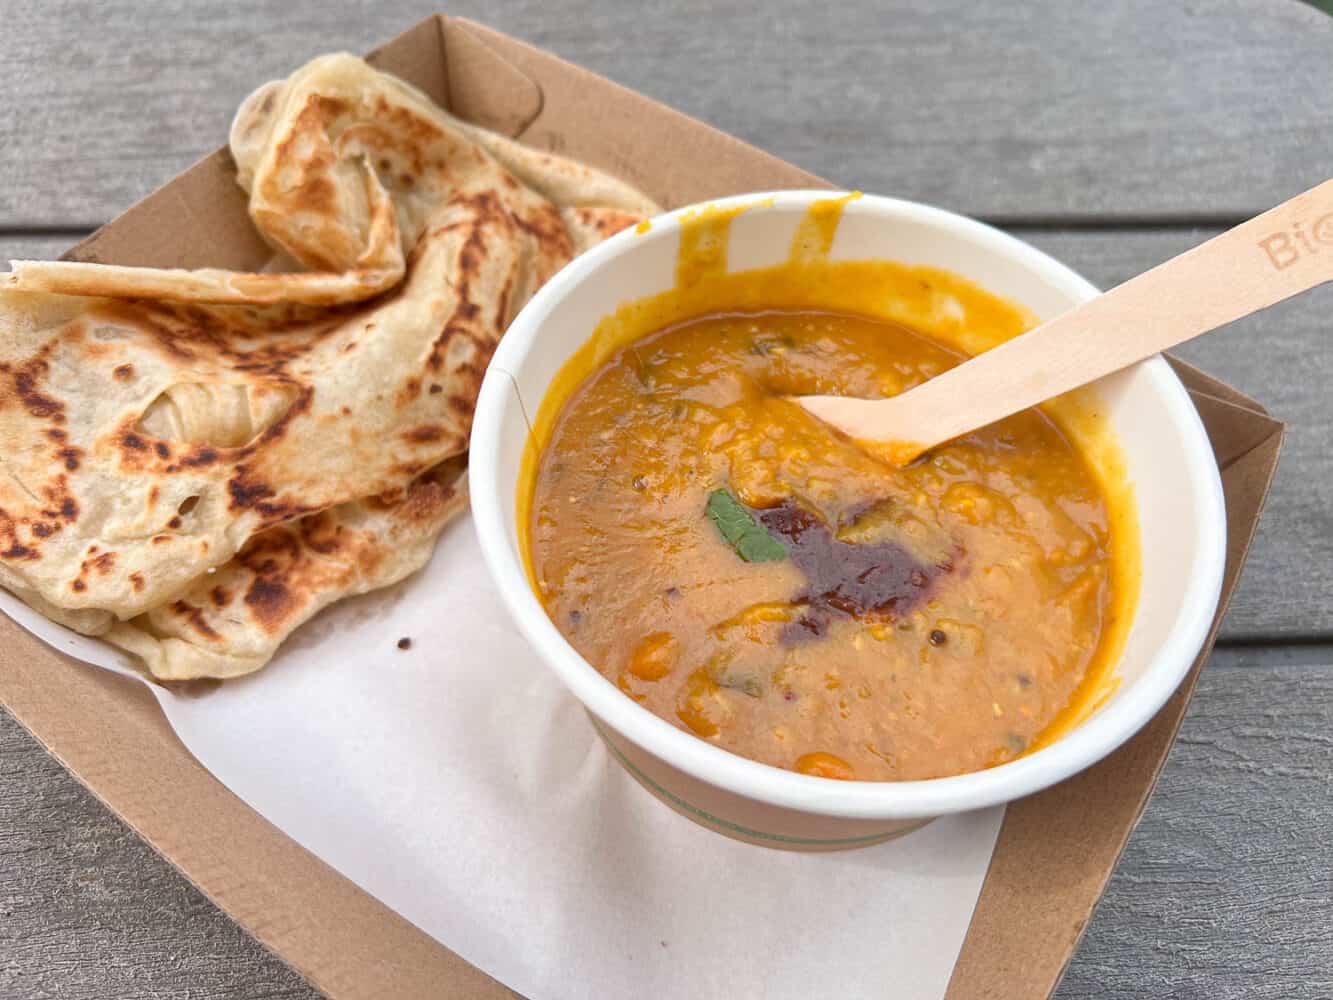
x=909 y=622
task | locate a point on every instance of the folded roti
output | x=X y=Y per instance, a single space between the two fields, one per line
x=342 y=179
x=146 y=440
x=231 y=621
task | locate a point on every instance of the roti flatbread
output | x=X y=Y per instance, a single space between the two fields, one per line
x=344 y=166
x=145 y=440
x=231 y=621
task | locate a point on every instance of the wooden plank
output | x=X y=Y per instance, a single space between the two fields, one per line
x=1224 y=891
x=1049 y=108
x=1284 y=359
x=89 y=911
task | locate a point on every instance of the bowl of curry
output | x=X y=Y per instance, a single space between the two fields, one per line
x=778 y=633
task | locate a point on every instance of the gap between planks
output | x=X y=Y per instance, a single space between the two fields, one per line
x=1278 y=651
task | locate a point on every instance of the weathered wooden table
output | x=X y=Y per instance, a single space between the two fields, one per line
x=1112 y=134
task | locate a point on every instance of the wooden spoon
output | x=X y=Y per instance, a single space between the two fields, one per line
x=1274 y=256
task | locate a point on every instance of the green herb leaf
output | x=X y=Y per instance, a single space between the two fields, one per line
x=760 y=546
x=741 y=531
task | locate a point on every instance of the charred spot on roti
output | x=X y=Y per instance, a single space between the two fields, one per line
x=270 y=552
x=409 y=391
x=411 y=133
x=25 y=387
x=299 y=407
x=199 y=455
x=194 y=617
x=26 y=381
x=136 y=582
x=163 y=449
x=501 y=306
x=160 y=324
x=247 y=493
x=424 y=433
x=14 y=549
x=123 y=372
x=96 y=563
x=101 y=564
x=424 y=499
x=307 y=183
x=605 y=222
x=544 y=224
x=320 y=533
x=269 y=601
x=453 y=334
x=70 y=457
x=220 y=596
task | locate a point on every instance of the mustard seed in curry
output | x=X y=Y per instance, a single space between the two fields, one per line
x=758 y=580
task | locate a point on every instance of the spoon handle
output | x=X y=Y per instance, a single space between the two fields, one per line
x=1273 y=256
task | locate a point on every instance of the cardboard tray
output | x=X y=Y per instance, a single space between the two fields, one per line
x=1056 y=849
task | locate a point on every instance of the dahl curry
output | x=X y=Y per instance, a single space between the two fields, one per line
x=761 y=581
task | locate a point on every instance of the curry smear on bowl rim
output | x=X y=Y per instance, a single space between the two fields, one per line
x=924 y=301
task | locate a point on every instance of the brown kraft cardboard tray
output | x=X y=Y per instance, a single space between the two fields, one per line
x=1055 y=850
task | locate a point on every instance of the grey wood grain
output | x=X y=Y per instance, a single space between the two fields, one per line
x=89 y=911
x=1283 y=358
x=45 y=247
x=1225 y=890
x=1066 y=108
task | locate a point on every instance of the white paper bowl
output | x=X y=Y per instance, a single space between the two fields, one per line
x=1170 y=465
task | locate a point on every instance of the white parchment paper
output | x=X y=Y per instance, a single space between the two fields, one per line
x=459 y=783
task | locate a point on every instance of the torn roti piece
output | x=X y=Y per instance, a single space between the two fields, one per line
x=144 y=441
x=230 y=621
